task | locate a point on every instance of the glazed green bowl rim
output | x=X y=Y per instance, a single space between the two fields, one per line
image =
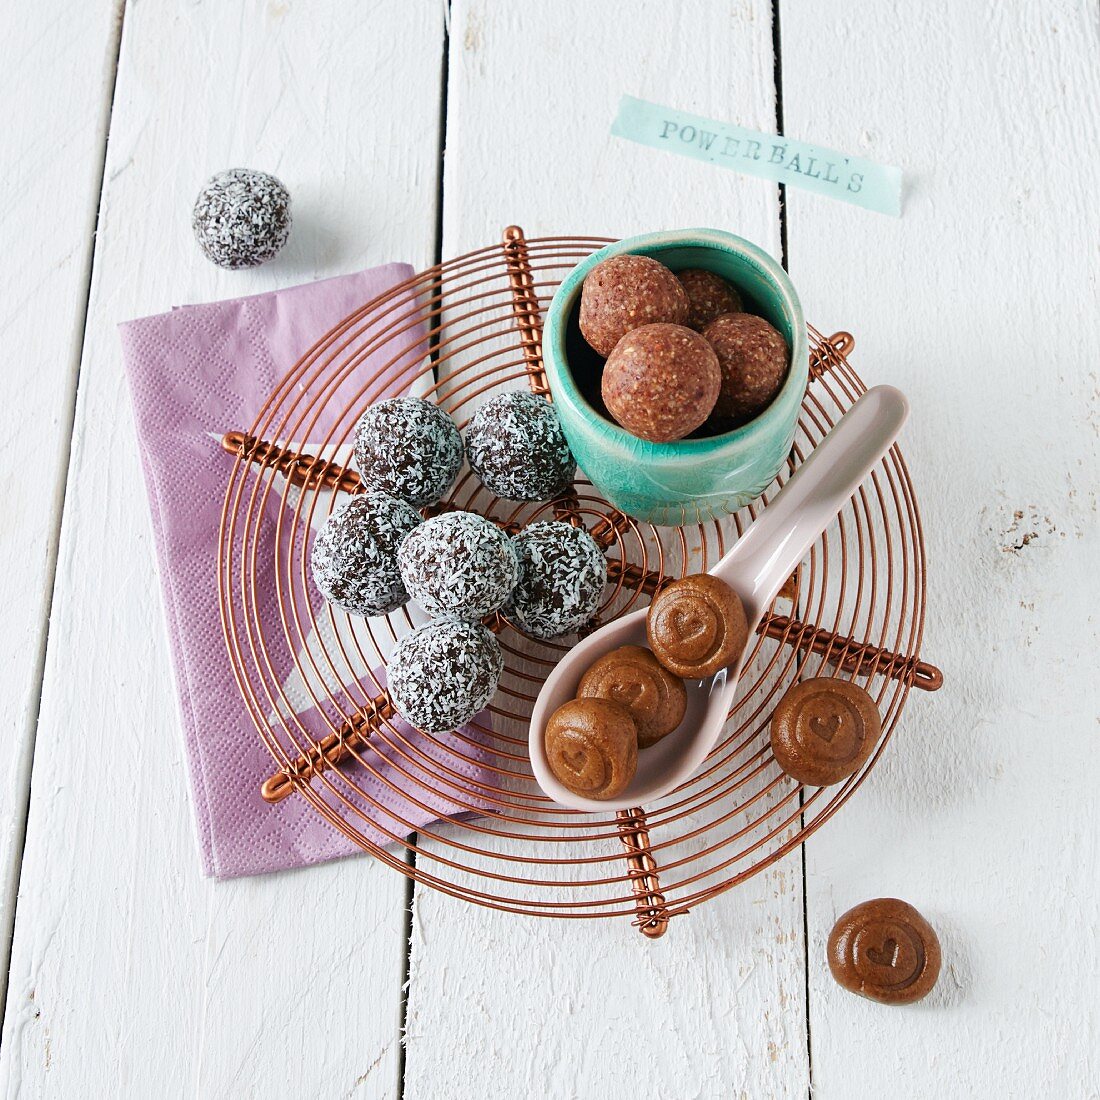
x=557 y=318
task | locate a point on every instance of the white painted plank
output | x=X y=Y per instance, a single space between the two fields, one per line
x=55 y=84
x=981 y=303
x=505 y=1005
x=130 y=973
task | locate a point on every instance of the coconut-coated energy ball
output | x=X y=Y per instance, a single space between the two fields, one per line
x=409 y=448
x=709 y=296
x=562 y=572
x=625 y=292
x=753 y=358
x=443 y=673
x=354 y=556
x=515 y=445
x=661 y=382
x=241 y=218
x=458 y=564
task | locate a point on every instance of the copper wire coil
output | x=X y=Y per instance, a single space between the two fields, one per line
x=855 y=608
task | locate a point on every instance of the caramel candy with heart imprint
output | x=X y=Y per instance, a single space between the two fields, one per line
x=823 y=730
x=592 y=747
x=632 y=676
x=886 y=951
x=696 y=626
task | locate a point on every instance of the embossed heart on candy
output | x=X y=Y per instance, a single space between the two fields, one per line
x=690 y=623
x=627 y=692
x=825 y=728
x=887 y=955
x=576 y=760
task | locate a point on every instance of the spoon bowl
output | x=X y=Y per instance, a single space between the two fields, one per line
x=755 y=568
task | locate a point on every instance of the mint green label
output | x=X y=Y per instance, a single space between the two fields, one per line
x=812 y=167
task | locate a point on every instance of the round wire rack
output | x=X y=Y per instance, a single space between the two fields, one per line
x=462 y=812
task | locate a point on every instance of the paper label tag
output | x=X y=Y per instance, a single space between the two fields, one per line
x=771 y=156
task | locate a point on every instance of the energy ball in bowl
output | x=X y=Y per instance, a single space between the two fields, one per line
x=241 y=218
x=354 y=556
x=409 y=448
x=562 y=572
x=516 y=447
x=625 y=292
x=661 y=382
x=458 y=564
x=443 y=673
x=709 y=296
x=753 y=358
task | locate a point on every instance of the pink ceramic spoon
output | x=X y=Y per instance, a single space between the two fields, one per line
x=760 y=561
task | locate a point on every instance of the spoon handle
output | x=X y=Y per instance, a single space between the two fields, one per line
x=770 y=550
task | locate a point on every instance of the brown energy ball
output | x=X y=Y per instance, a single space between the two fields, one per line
x=709 y=296
x=592 y=747
x=754 y=359
x=661 y=382
x=824 y=729
x=624 y=293
x=697 y=626
x=632 y=676
x=886 y=951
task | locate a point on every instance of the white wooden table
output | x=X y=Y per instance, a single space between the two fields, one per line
x=408 y=130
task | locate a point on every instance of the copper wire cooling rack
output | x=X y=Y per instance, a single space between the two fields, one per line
x=456 y=333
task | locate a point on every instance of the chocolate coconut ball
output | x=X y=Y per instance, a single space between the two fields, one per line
x=443 y=673
x=661 y=382
x=753 y=358
x=241 y=218
x=709 y=296
x=458 y=564
x=354 y=556
x=562 y=572
x=624 y=293
x=515 y=445
x=409 y=448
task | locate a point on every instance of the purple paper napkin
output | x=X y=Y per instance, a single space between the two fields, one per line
x=196 y=373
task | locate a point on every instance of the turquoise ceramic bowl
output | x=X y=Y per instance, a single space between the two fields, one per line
x=691 y=480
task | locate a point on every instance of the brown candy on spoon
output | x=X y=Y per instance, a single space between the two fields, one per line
x=709 y=296
x=696 y=626
x=753 y=358
x=592 y=747
x=886 y=951
x=661 y=382
x=824 y=730
x=625 y=292
x=632 y=676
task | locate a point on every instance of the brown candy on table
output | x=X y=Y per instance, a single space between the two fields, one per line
x=592 y=747
x=886 y=951
x=696 y=626
x=823 y=730
x=661 y=382
x=753 y=358
x=709 y=296
x=632 y=676
x=625 y=292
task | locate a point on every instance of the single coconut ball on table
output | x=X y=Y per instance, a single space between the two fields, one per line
x=409 y=448
x=458 y=564
x=661 y=382
x=753 y=359
x=241 y=218
x=709 y=296
x=443 y=673
x=625 y=292
x=515 y=445
x=562 y=573
x=354 y=556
